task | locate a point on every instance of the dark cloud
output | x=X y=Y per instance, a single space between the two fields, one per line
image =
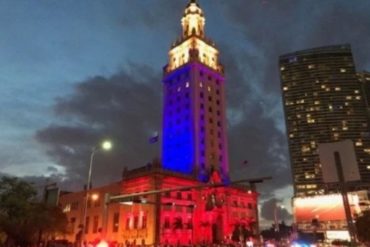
x=272 y=206
x=124 y=107
x=253 y=133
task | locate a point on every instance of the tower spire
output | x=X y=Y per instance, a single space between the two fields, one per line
x=193 y=20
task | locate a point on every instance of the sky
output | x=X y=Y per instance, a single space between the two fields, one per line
x=74 y=72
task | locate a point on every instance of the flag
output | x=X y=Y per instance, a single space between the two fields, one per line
x=154 y=139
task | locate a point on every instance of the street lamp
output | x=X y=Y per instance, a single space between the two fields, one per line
x=95 y=197
x=105 y=146
x=277 y=206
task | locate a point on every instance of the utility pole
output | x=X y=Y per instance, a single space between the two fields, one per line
x=343 y=190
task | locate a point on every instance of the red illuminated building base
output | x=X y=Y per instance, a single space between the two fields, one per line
x=207 y=215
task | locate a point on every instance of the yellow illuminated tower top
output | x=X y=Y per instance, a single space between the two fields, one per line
x=193 y=44
x=193 y=20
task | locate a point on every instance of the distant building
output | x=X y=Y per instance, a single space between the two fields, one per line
x=194 y=152
x=192 y=216
x=323 y=102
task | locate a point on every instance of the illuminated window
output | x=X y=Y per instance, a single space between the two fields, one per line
x=115 y=222
x=285 y=88
x=349 y=97
x=187 y=84
x=200 y=84
x=282 y=68
x=209 y=89
x=358 y=143
x=356 y=91
x=178 y=89
x=305 y=149
x=337 y=89
x=343 y=70
x=67 y=208
x=311 y=186
x=310 y=120
x=368 y=167
x=358 y=97
x=311 y=66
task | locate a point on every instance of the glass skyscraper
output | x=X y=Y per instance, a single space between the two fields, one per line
x=323 y=102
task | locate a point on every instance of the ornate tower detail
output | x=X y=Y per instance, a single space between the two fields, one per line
x=193 y=21
x=194 y=125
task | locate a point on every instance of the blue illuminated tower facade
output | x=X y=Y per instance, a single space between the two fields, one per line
x=194 y=125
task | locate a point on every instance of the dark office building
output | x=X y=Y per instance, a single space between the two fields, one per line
x=323 y=102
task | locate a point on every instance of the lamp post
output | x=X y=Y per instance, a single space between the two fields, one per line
x=277 y=206
x=106 y=145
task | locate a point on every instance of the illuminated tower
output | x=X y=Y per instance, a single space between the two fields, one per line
x=194 y=126
x=323 y=102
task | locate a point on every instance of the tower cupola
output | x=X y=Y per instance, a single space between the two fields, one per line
x=193 y=20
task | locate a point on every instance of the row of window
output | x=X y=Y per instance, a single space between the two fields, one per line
x=95 y=223
x=177 y=223
x=136 y=222
x=179 y=195
x=187 y=105
x=185 y=76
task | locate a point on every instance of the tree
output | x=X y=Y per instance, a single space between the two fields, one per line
x=22 y=217
x=362 y=226
x=283 y=233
